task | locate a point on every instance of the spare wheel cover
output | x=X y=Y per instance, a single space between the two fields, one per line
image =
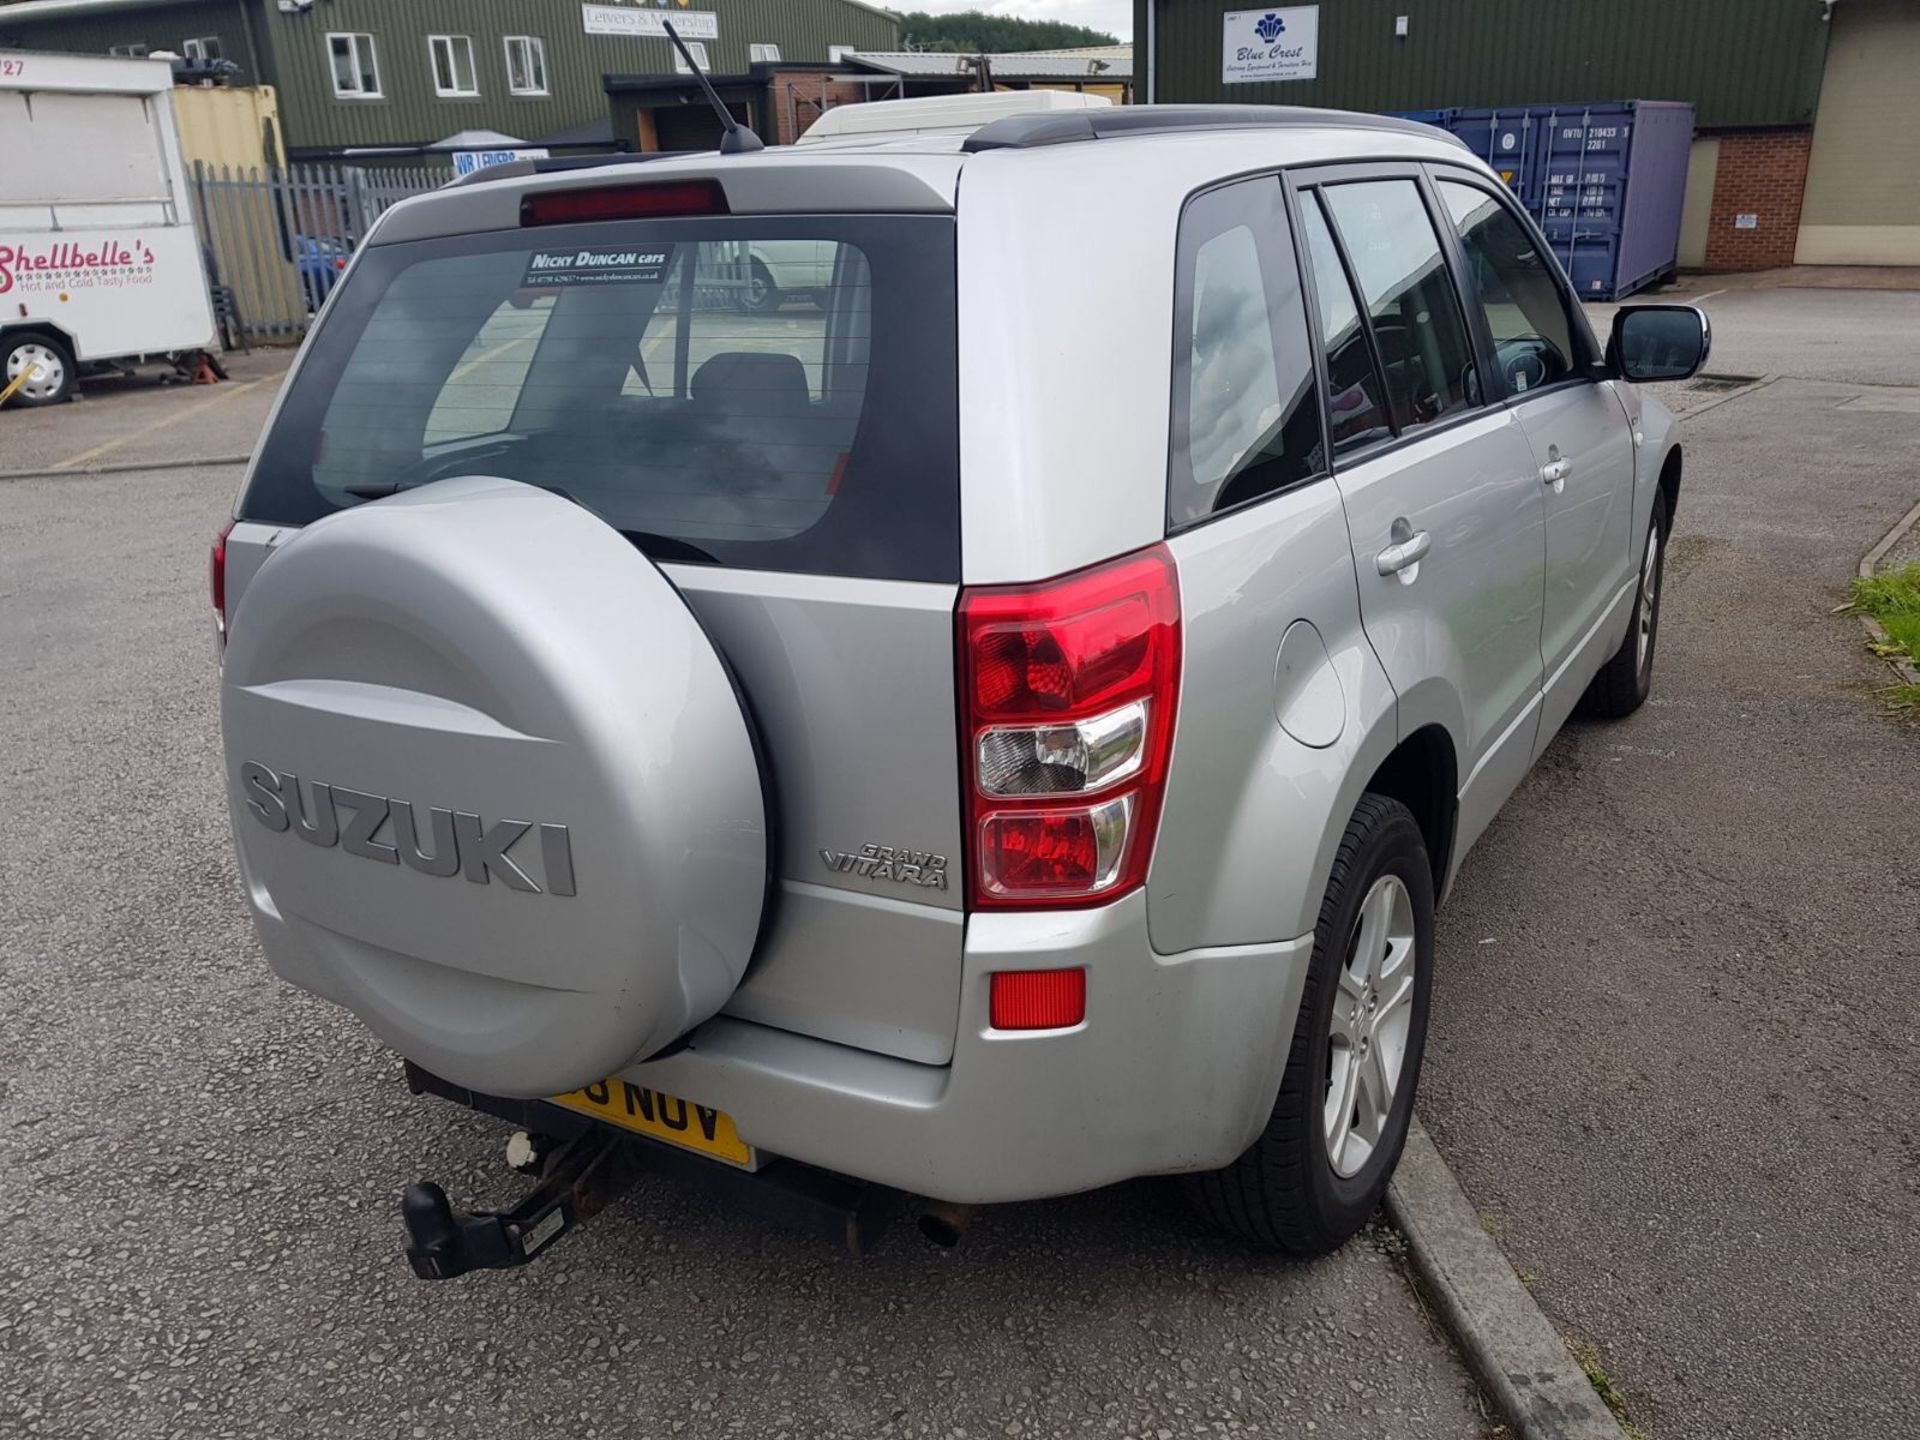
x=570 y=857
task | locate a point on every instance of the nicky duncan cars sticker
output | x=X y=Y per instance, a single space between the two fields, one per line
x=562 y=269
x=90 y=264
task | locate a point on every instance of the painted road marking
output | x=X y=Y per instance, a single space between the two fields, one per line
x=74 y=462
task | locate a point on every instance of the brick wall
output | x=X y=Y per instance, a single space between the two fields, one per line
x=1763 y=173
x=799 y=96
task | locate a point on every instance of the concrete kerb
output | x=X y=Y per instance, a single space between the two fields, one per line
x=1512 y=1347
x=1869 y=563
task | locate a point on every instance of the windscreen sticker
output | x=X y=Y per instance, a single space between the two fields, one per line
x=555 y=269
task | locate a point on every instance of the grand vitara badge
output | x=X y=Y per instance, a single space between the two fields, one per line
x=883 y=862
x=448 y=843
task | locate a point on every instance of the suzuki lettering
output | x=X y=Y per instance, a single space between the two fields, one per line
x=1264 y=45
x=453 y=842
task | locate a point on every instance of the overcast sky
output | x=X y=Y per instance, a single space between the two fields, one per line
x=1113 y=16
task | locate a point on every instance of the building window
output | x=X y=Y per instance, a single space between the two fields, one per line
x=764 y=54
x=837 y=53
x=453 y=65
x=356 y=69
x=695 y=48
x=526 y=65
x=205 y=47
x=128 y=52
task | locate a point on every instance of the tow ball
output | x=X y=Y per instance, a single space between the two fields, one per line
x=578 y=1179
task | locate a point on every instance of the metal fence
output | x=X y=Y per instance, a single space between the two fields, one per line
x=276 y=240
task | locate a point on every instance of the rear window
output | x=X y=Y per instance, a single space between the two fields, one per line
x=765 y=393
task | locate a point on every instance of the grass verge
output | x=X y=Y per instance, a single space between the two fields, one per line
x=1893 y=598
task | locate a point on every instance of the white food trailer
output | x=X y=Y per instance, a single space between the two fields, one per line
x=99 y=259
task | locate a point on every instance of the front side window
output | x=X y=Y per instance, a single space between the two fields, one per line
x=1246 y=411
x=453 y=65
x=526 y=65
x=1533 y=342
x=1411 y=307
x=356 y=68
x=1356 y=400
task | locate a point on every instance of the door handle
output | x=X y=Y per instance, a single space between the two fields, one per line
x=1555 y=472
x=1403 y=555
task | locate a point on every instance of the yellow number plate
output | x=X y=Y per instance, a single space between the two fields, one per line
x=663 y=1117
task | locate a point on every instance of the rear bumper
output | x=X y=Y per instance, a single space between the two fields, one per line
x=1174 y=1069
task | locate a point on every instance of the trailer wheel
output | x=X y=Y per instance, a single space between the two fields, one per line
x=46 y=363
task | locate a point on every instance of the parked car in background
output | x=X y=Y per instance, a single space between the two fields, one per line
x=1007 y=735
x=320 y=260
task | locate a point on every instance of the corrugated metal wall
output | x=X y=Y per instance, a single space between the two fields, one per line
x=161 y=27
x=803 y=29
x=1741 y=62
x=1862 y=204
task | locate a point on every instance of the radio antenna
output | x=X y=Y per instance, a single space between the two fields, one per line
x=735 y=138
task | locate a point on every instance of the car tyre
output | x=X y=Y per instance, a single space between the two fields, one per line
x=1313 y=1177
x=47 y=352
x=761 y=296
x=1626 y=680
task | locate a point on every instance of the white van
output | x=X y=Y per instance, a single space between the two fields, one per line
x=99 y=259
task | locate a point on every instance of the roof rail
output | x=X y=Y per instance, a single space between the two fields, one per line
x=519 y=169
x=1029 y=132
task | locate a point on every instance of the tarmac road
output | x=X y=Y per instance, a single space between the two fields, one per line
x=1674 y=1041
x=200 y=1167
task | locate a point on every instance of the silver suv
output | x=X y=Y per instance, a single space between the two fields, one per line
x=1001 y=730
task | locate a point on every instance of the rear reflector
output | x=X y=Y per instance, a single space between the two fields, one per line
x=1039 y=999
x=624 y=202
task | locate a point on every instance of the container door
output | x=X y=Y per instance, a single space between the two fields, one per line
x=1583 y=193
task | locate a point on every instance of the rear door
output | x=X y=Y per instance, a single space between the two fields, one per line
x=794 y=473
x=1443 y=507
x=1581 y=440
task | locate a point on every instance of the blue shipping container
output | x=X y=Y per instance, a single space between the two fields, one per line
x=1509 y=141
x=1606 y=181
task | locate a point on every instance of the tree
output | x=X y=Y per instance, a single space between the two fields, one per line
x=971 y=32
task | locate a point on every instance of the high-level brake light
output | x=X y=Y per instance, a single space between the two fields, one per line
x=660 y=200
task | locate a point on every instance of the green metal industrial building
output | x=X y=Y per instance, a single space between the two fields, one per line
x=364 y=74
x=1808 y=111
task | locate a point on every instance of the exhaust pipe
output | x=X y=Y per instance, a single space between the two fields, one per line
x=942 y=1224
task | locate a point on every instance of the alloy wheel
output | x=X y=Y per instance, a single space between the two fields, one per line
x=1372 y=1017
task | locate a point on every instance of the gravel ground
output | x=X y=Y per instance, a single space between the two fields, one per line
x=1673 y=1046
x=199 y=1167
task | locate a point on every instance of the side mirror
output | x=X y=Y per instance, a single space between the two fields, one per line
x=1659 y=342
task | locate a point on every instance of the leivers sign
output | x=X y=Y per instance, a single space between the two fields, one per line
x=1259 y=45
x=629 y=20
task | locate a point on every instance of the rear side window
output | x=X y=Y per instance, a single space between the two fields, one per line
x=1532 y=334
x=1411 y=304
x=1246 y=409
x=645 y=371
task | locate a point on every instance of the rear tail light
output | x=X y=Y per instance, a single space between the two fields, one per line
x=217 y=580
x=1068 y=692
